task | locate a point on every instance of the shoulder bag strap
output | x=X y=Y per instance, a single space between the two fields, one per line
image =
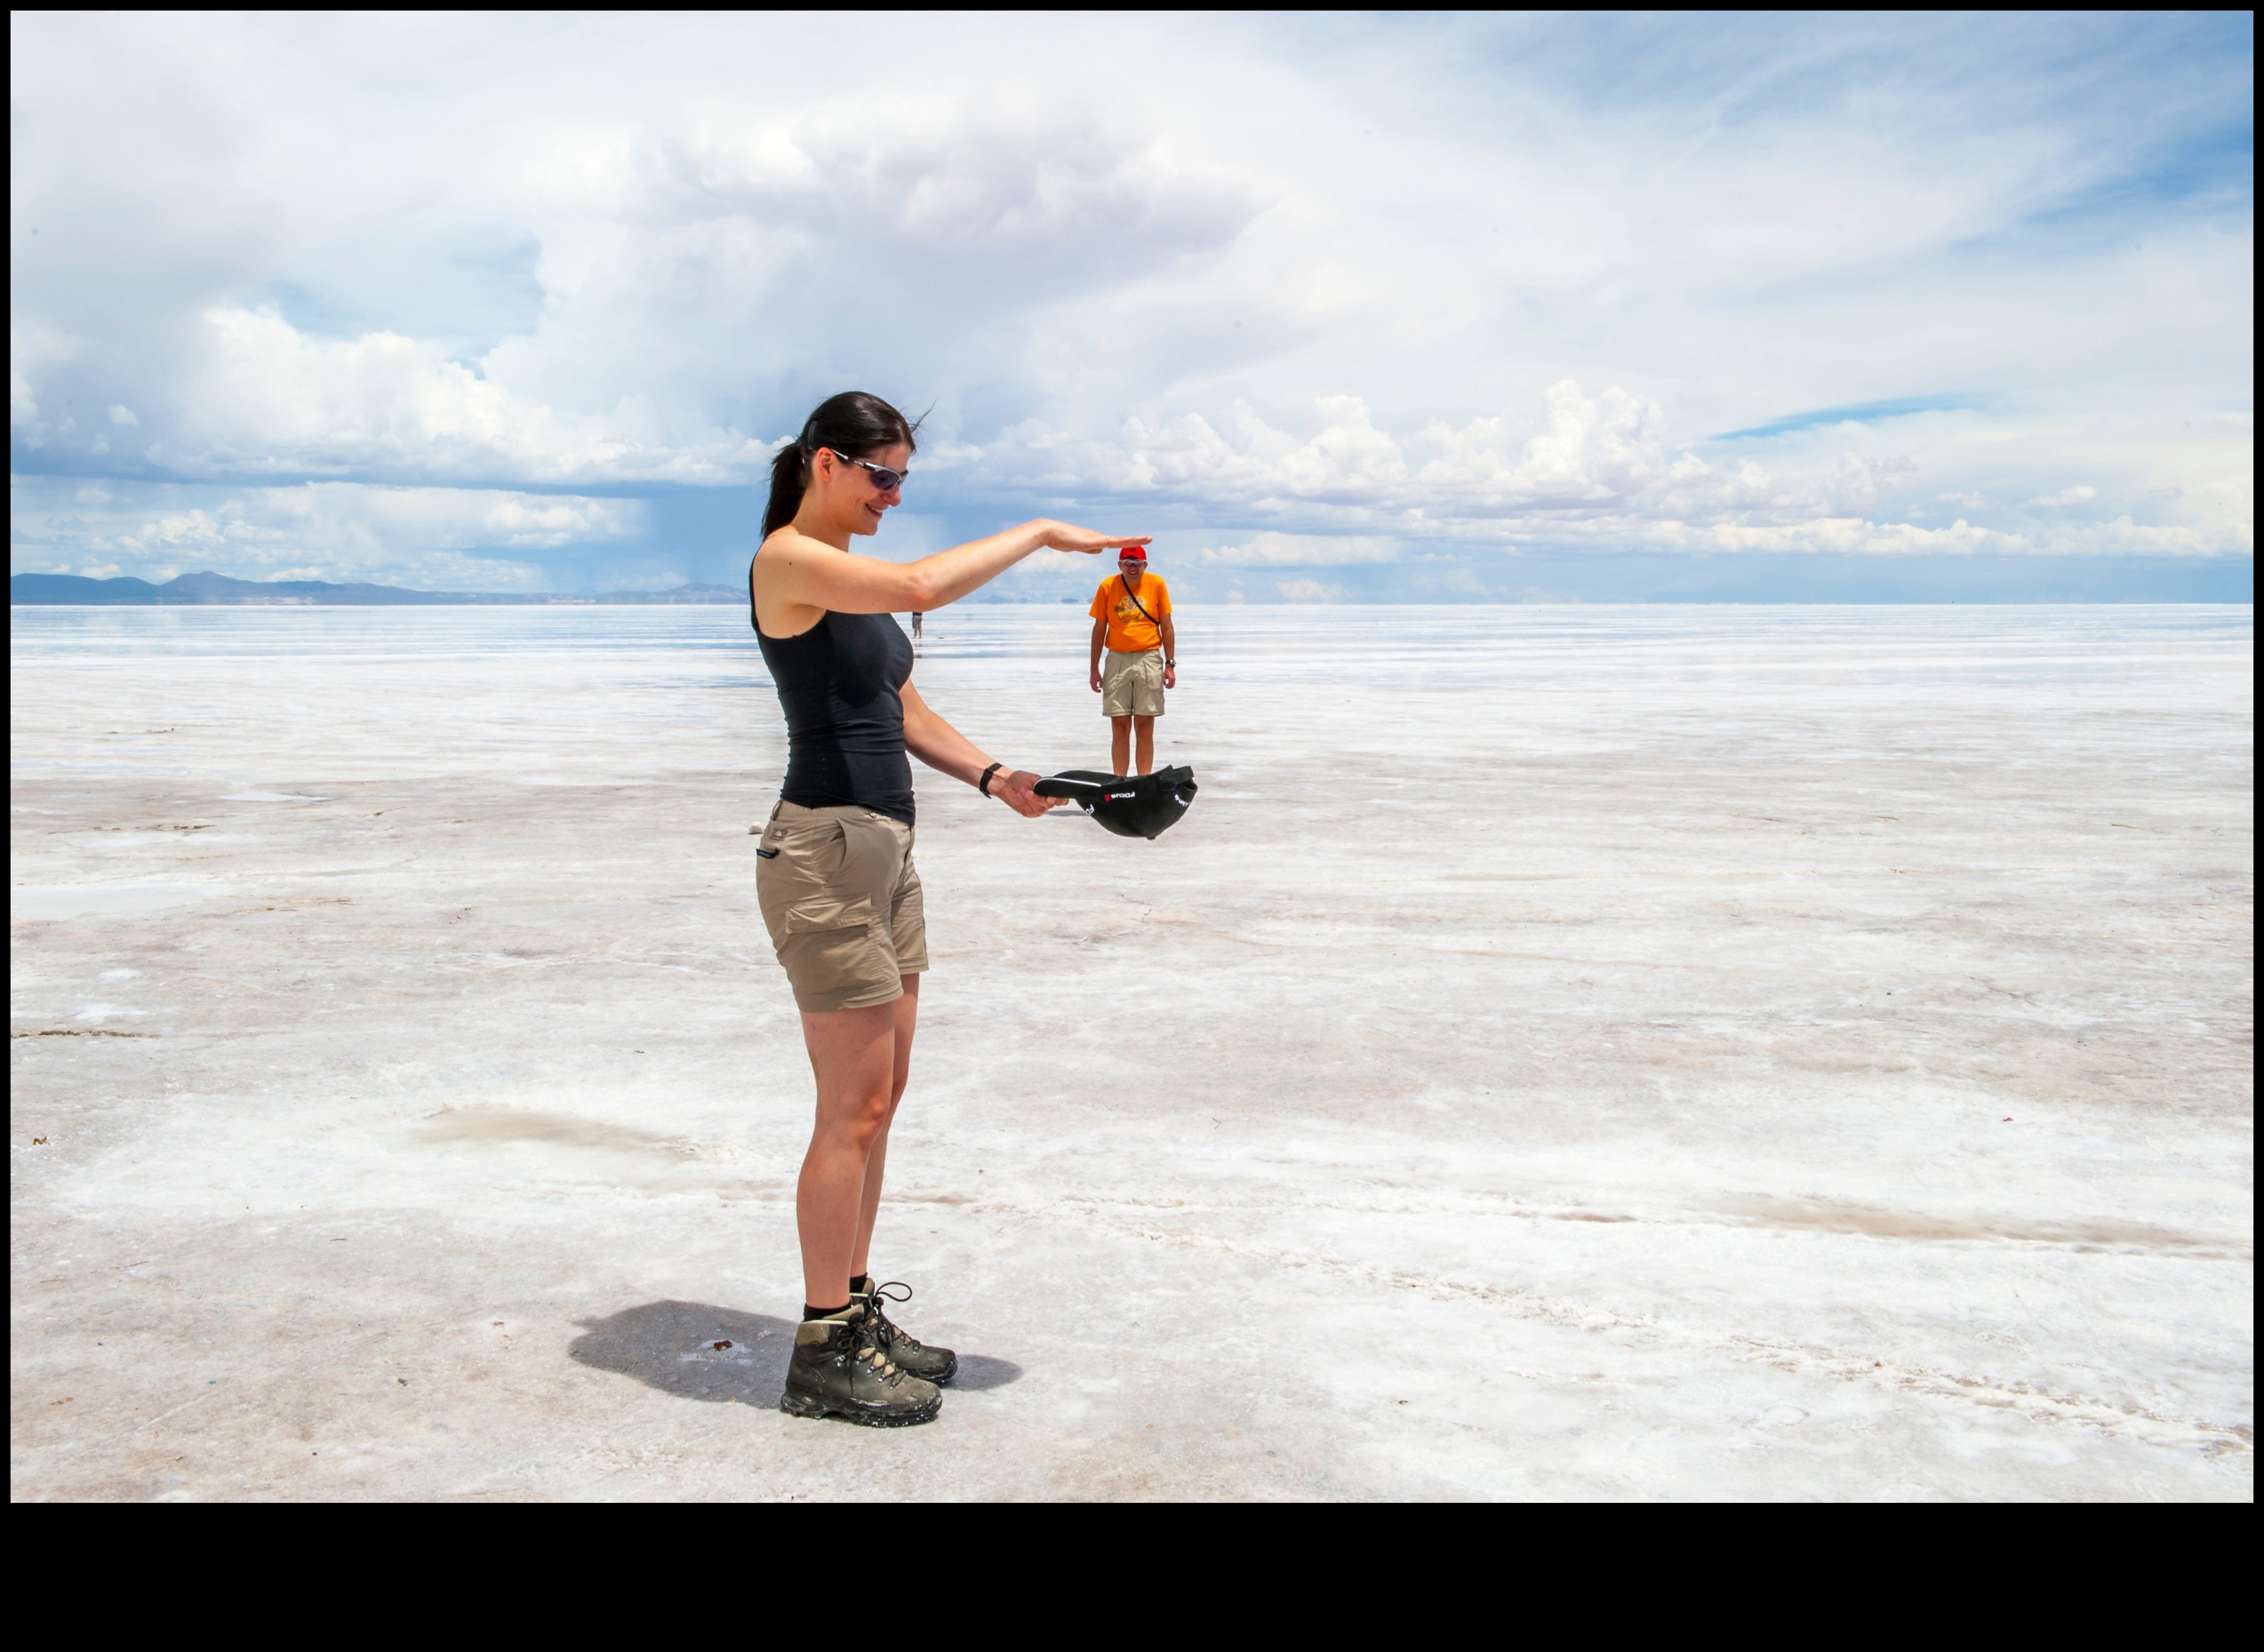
x=1143 y=607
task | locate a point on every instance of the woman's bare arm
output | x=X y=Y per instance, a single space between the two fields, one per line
x=796 y=571
x=947 y=752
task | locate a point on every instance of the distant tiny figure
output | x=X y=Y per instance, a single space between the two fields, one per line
x=1132 y=620
x=916 y=633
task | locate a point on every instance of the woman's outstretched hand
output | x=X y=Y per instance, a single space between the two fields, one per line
x=1013 y=790
x=1063 y=537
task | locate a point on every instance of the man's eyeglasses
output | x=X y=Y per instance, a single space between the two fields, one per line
x=883 y=478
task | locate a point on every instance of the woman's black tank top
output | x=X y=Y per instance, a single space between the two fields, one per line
x=844 y=718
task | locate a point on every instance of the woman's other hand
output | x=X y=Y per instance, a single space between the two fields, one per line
x=1013 y=790
x=1063 y=537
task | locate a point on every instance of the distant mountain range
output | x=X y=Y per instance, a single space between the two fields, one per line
x=27 y=589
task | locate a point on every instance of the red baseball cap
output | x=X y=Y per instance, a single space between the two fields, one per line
x=1131 y=554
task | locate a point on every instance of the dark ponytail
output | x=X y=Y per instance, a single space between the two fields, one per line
x=852 y=424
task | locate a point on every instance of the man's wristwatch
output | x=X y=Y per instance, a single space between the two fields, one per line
x=1171 y=665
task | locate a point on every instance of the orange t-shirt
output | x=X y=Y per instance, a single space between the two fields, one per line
x=1130 y=631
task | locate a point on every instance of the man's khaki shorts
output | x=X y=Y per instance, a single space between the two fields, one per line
x=841 y=903
x=1132 y=685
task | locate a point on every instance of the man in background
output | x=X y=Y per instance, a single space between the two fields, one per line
x=1132 y=621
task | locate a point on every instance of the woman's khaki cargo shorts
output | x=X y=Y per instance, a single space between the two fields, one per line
x=1132 y=685
x=842 y=903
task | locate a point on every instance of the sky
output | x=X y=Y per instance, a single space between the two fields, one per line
x=1802 y=307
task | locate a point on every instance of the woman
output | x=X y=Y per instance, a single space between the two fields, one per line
x=835 y=875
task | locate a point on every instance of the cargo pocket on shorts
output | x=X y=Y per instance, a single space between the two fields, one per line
x=831 y=950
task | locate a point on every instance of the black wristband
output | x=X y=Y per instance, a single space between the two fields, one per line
x=983 y=785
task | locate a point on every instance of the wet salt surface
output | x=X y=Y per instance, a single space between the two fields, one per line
x=1564 y=1053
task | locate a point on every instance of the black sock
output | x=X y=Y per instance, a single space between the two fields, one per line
x=809 y=1313
x=861 y=1284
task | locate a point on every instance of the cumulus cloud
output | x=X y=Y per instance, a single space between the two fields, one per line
x=1300 y=550
x=282 y=403
x=1582 y=470
x=1588 y=452
x=455 y=538
x=1330 y=294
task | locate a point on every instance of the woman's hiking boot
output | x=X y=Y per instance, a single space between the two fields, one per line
x=938 y=1365
x=841 y=1368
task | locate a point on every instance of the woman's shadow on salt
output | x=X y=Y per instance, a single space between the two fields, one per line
x=696 y=1351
